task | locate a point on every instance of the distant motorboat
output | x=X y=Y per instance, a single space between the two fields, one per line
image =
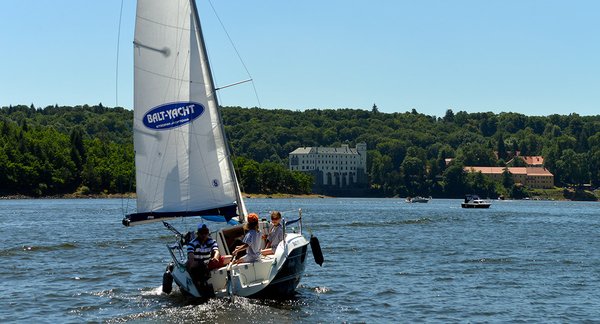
x=473 y=201
x=417 y=199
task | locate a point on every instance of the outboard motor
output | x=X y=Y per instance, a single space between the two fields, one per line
x=200 y=275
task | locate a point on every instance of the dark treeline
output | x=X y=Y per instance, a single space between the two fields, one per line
x=57 y=150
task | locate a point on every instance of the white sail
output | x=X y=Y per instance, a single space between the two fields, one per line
x=182 y=160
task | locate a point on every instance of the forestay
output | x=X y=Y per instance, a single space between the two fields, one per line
x=182 y=161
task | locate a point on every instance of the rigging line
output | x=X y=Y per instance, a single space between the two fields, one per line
x=236 y=52
x=117 y=68
x=120 y=178
x=217 y=94
x=123 y=210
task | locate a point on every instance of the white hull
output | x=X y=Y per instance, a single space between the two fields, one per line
x=476 y=205
x=417 y=200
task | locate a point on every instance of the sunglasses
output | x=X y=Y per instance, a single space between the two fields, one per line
x=202 y=232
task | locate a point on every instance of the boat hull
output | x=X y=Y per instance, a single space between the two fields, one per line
x=467 y=205
x=288 y=278
x=274 y=276
x=416 y=200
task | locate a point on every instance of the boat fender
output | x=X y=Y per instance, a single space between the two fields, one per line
x=316 y=250
x=167 y=285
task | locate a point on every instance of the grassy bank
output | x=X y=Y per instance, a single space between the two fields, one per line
x=562 y=194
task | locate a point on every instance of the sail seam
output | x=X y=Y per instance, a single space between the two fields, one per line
x=162 y=24
x=166 y=76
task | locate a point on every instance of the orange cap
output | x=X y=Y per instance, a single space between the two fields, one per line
x=252 y=218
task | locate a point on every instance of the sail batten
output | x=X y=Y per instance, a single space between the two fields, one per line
x=182 y=159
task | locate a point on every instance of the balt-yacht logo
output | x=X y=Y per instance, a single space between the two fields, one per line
x=172 y=115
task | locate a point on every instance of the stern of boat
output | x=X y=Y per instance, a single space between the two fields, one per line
x=275 y=275
x=289 y=274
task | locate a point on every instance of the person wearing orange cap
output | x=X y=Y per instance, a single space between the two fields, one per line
x=251 y=241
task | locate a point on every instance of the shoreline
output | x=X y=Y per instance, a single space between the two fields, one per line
x=72 y=196
x=244 y=195
x=133 y=196
x=278 y=196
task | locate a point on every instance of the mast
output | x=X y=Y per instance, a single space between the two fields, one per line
x=240 y=206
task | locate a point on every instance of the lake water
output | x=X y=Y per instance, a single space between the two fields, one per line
x=71 y=261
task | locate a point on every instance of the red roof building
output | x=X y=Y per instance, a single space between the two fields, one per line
x=534 y=161
x=532 y=177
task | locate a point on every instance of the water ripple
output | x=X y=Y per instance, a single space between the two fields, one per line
x=386 y=262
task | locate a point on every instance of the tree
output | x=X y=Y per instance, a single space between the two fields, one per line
x=507 y=178
x=382 y=166
x=413 y=169
x=90 y=177
x=24 y=126
x=501 y=147
x=475 y=154
x=374 y=110
x=449 y=117
x=523 y=148
x=298 y=182
x=455 y=180
x=595 y=168
x=574 y=167
x=78 y=146
x=445 y=152
x=481 y=184
x=270 y=176
x=394 y=149
x=517 y=161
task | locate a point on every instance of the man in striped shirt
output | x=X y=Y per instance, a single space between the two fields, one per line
x=203 y=254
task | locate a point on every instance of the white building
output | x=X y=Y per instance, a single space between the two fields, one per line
x=332 y=167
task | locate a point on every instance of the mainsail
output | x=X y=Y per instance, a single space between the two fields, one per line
x=183 y=166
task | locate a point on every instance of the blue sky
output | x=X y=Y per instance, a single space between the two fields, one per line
x=532 y=57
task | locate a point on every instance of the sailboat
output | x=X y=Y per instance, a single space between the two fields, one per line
x=183 y=164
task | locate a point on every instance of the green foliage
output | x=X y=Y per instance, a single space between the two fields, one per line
x=471 y=139
x=38 y=160
x=271 y=177
x=579 y=195
x=59 y=149
x=455 y=180
x=507 y=178
x=481 y=184
x=517 y=161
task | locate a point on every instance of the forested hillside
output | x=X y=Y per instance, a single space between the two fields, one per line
x=89 y=149
x=407 y=151
x=58 y=150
